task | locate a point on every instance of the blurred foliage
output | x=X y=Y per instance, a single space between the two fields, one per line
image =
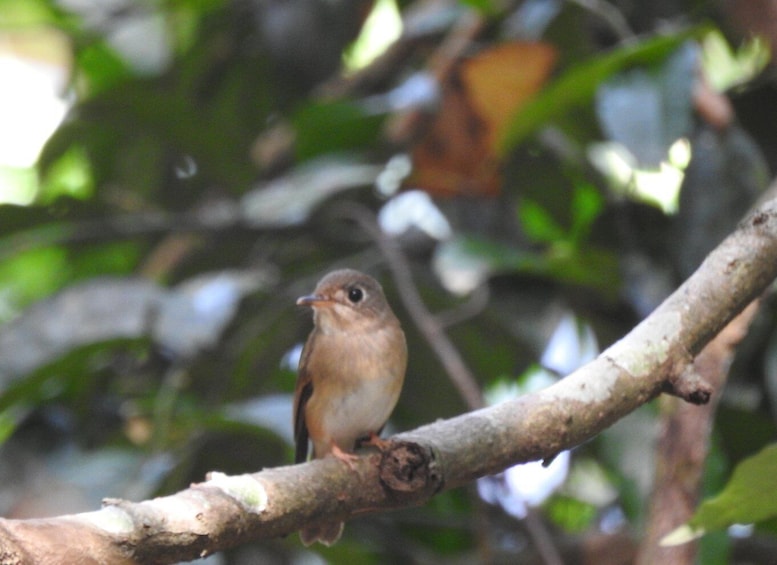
x=210 y=170
x=742 y=500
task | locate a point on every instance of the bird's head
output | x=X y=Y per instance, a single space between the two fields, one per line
x=348 y=301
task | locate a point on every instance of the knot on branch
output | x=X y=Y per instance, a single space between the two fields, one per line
x=407 y=467
x=759 y=217
x=690 y=386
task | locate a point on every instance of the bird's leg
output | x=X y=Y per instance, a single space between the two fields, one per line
x=347 y=458
x=374 y=440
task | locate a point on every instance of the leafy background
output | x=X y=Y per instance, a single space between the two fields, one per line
x=220 y=156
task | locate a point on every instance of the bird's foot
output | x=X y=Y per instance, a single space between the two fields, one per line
x=374 y=440
x=347 y=458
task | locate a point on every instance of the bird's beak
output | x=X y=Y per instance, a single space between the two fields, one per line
x=311 y=300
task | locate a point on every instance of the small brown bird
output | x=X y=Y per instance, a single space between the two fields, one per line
x=350 y=374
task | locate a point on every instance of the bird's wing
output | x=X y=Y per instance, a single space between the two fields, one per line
x=302 y=393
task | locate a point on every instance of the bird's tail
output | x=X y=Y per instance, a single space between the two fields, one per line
x=327 y=533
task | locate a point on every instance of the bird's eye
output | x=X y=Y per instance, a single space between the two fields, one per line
x=355 y=294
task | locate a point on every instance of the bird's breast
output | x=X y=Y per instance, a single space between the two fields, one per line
x=357 y=380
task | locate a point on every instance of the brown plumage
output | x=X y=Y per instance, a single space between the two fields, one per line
x=350 y=374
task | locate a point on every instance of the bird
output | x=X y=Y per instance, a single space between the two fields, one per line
x=350 y=375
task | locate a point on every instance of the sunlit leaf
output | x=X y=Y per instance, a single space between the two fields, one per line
x=382 y=27
x=30 y=276
x=571 y=514
x=577 y=86
x=69 y=175
x=725 y=68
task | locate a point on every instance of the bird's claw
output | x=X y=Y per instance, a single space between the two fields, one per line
x=375 y=441
x=347 y=458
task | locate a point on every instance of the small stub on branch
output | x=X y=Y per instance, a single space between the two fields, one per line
x=690 y=386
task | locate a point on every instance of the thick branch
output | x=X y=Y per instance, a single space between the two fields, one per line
x=228 y=511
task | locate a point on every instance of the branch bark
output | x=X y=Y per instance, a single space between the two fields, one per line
x=226 y=511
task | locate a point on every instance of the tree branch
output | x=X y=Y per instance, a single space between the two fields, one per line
x=226 y=511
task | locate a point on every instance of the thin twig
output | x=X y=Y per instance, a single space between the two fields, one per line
x=476 y=303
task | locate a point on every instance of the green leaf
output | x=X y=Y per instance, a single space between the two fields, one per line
x=745 y=499
x=577 y=86
x=29 y=276
x=571 y=514
x=588 y=267
x=485 y=7
x=100 y=68
x=538 y=223
x=332 y=127
x=21 y=15
x=587 y=203
x=724 y=68
x=68 y=174
x=9 y=420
